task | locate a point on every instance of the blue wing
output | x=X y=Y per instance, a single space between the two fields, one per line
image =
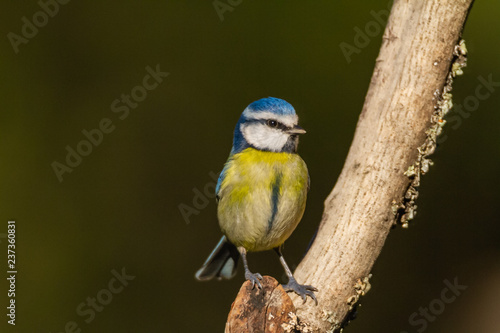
x=219 y=182
x=221 y=179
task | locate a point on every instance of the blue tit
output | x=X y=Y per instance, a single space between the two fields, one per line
x=261 y=192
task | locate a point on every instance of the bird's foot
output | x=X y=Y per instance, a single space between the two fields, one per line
x=254 y=277
x=300 y=289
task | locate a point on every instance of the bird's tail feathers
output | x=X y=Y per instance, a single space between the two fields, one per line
x=221 y=263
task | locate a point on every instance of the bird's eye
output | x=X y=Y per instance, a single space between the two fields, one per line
x=272 y=123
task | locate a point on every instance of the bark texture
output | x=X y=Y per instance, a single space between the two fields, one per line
x=407 y=97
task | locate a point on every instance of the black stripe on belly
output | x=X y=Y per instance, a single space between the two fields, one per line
x=275 y=197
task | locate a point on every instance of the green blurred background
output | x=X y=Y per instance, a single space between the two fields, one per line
x=119 y=208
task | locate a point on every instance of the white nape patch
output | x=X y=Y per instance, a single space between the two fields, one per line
x=264 y=137
x=288 y=120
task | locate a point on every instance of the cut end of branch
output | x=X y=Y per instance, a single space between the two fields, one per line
x=269 y=309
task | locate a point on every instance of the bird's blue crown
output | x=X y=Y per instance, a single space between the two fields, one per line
x=275 y=105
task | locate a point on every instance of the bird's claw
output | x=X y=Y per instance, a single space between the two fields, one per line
x=301 y=289
x=254 y=278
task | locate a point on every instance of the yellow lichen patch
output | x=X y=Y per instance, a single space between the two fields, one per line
x=406 y=209
x=361 y=287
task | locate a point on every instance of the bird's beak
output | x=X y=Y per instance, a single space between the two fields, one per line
x=296 y=130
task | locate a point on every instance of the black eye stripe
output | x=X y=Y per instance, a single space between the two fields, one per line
x=278 y=125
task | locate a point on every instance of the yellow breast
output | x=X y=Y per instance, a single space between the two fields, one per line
x=262 y=198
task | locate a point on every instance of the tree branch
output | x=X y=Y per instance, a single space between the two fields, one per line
x=403 y=110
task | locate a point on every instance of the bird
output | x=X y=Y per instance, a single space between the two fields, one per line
x=261 y=192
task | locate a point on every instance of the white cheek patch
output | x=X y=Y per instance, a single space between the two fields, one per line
x=264 y=137
x=288 y=120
